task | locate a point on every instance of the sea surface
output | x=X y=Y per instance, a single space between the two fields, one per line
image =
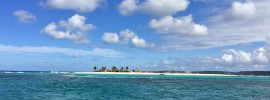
x=55 y=86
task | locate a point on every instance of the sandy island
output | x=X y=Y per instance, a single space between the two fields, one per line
x=145 y=73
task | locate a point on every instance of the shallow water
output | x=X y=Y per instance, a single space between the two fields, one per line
x=39 y=86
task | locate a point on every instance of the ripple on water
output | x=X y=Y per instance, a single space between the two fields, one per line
x=69 y=86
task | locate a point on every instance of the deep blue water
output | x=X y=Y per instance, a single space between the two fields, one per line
x=46 y=86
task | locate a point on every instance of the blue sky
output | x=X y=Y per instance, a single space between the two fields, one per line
x=74 y=35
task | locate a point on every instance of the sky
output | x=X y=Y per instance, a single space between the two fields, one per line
x=152 y=35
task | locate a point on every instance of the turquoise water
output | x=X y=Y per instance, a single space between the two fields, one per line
x=46 y=86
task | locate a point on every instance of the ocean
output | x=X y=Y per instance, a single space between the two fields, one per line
x=54 y=86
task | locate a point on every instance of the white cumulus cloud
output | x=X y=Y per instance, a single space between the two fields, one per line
x=76 y=22
x=24 y=16
x=74 y=29
x=77 y=5
x=127 y=34
x=125 y=37
x=163 y=7
x=140 y=43
x=239 y=56
x=153 y=7
x=227 y=58
x=261 y=55
x=181 y=25
x=128 y=7
x=110 y=38
x=243 y=10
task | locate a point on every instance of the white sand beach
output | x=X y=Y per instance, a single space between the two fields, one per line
x=146 y=73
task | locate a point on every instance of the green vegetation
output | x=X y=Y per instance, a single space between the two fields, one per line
x=115 y=69
x=95 y=68
x=126 y=69
x=103 y=69
x=121 y=69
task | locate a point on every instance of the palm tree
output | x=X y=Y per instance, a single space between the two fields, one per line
x=114 y=69
x=103 y=69
x=95 y=68
x=121 y=69
x=126 y=69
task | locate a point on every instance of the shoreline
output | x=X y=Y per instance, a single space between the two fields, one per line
x=143 y=73
x=205 y=73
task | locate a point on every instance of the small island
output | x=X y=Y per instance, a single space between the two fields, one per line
x=137 y=71
x=115 y=69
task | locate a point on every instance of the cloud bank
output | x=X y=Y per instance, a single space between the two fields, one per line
x=240 y=23
x=57 y=50
x=231 y=60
